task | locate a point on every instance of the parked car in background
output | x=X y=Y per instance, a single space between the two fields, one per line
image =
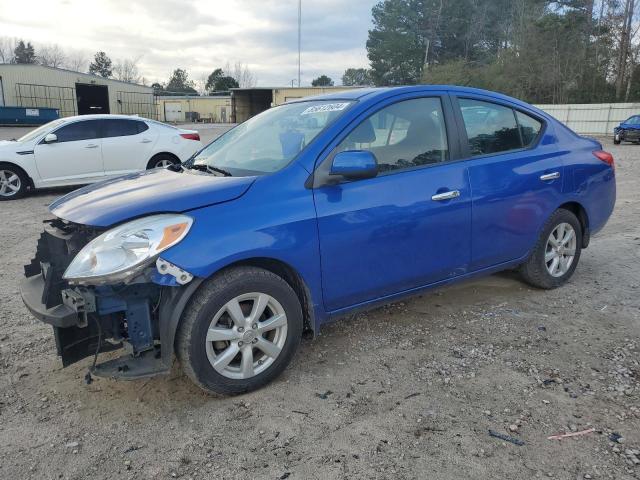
x=307 y=212
x=88 y=148
x=627 y=131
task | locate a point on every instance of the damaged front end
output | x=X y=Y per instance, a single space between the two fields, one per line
x=138 y=313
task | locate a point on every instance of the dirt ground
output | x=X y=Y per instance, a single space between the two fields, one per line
x=406 y=391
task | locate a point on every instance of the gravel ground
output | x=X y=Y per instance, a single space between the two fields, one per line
x=410 y=390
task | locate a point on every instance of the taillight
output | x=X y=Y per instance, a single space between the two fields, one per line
x=191 y=136
x=606 y=157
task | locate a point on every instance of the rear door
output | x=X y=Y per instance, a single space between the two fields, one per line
x=410 y=225
x=75 y=157
x=515 y=172
x=126 y=145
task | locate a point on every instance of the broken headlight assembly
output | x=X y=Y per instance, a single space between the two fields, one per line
x=122 y=252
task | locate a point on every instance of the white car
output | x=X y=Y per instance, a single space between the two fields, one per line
x=89 y=148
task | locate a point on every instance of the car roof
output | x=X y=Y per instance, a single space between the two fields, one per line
x=379 y=93
x=99 y=116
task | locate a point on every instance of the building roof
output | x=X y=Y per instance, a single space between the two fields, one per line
x=64 y=70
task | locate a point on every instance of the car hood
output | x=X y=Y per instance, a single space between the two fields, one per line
x=155 y=191
x=8 y=145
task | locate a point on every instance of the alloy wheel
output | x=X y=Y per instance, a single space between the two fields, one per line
x=10 y=183
x=246 y=335
x=163 y=163
x=560 y=250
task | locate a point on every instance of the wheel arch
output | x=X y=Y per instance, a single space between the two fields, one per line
x=581 y=213
x=22 y=170
x=174 y=303
x=289 y=275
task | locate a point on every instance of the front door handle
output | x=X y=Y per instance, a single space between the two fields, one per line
x=91 y=145
x=549 y=176
x=439 y=197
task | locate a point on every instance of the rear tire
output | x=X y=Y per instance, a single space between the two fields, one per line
x=240 y=331
x=556 y=253
x=162 y=160
x=13 y=182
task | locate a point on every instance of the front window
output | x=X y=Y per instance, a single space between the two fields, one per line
x=269 y=141
x=404 y=135
x=41 y=130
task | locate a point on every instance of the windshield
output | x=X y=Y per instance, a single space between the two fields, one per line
x=269 y=141
x=40 y=130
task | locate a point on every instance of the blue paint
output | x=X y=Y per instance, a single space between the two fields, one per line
x=361 y=242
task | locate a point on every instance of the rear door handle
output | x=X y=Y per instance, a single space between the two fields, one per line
x=91 y=145
x=549 y=176
x=146 y=140
x=439 y=197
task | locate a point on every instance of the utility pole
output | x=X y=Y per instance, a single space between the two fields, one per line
x=299 y=36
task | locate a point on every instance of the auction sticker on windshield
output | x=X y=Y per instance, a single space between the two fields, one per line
x=327 y=107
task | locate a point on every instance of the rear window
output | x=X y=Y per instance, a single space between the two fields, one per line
x=493 y=128
x=122 y=128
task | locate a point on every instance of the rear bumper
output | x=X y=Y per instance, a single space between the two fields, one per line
x=61 y=315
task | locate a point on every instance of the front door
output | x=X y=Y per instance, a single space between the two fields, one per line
x=515 y=175
x=407 y=227
x=74 y=158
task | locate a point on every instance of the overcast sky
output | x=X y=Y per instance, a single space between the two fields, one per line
x=202 y=35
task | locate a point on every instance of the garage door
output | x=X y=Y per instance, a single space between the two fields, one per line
x=173 y=112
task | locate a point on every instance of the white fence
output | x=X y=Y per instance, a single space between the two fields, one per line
x=592 y=118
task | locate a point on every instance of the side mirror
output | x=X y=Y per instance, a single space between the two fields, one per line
x=50 y=138
x=354 y=165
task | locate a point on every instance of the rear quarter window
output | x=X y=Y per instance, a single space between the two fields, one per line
x=529 y=128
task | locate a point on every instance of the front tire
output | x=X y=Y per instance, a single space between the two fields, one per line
x=13 y=182
x=240 y=331
x=616 y=139
x=556 y=253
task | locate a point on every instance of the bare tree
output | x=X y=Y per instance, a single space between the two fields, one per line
x=126 y=70
x=7 y=47
x=77 y=60
x=624 y=48
x=242 y=73
x=51 y=56
x=201 y=84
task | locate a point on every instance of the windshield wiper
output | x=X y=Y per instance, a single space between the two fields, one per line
x=211 y=169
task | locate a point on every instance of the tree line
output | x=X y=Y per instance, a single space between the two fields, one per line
x=19 y=51
x=568 y=51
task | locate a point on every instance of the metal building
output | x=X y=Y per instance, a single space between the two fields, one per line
x=72 y=93
x=191 y=108
x=247 y=102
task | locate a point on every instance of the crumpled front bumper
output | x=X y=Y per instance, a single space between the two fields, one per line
x=62 y=316
x=142 y=316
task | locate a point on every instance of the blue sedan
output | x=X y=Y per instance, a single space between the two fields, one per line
x=309 y=211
